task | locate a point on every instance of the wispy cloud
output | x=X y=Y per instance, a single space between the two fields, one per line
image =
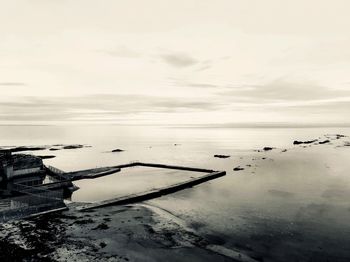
x=187 y=83
x=179 y=60
x=282 y=90
x=91 y=107
x=12 y=84
x=184 y=60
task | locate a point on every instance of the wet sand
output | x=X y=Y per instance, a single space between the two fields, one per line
x=128 y=233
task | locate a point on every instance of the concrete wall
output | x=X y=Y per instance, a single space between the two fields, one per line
x=26 y=171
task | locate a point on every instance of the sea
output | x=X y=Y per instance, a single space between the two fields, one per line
x=290 y=204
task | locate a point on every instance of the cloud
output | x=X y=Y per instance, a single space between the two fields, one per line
x=282 y=90
x=182 y=60
x=336 y=107
x=179 y=60
x=186 y=83
x=96 y=106
x=202 y=85
x=12 y=84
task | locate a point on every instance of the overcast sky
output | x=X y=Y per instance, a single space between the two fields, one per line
x=174 y=61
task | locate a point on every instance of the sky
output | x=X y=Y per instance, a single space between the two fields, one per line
x=180 y=62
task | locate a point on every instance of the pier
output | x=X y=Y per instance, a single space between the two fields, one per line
x=133 y=198
x=35 y=199
x=209 y=174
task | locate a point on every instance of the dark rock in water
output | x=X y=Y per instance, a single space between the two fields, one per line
x=238 y=168
x=177 y=144
x=284 y=150
x=27 y=148
x=103 y=244
x=117 y=150
x=267 y=148
x=296 y=142
x=347 y=144
x=222 y=156
x=47 y=157
x=324 y=142
x=337 y=136
x=73 y=147
x=54 y=149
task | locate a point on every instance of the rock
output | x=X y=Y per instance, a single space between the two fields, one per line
x=324 y=142
x=222 y=156
x=334 y=136
x=73 y=147
x=117 y=150
x=238 y=168
x=284 y=150
x=103 y=244
x=54 y=149
x=337 y=136
x=266 y=148
x=27 y=148
x=296 y=142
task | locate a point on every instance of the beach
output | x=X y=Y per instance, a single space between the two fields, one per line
x=110 y=234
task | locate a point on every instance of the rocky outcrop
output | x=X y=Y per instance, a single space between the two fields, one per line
x=324 y=142
x=222 y=156
x=72 y=146
x=117 y=150
x=267 y=148
x=296 y=142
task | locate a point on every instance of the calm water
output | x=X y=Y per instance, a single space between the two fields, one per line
x=292 y=206
x=153 y=144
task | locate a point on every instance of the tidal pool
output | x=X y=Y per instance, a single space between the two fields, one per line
x=129 y=181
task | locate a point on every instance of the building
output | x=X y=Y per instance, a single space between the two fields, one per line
x=17 y=166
